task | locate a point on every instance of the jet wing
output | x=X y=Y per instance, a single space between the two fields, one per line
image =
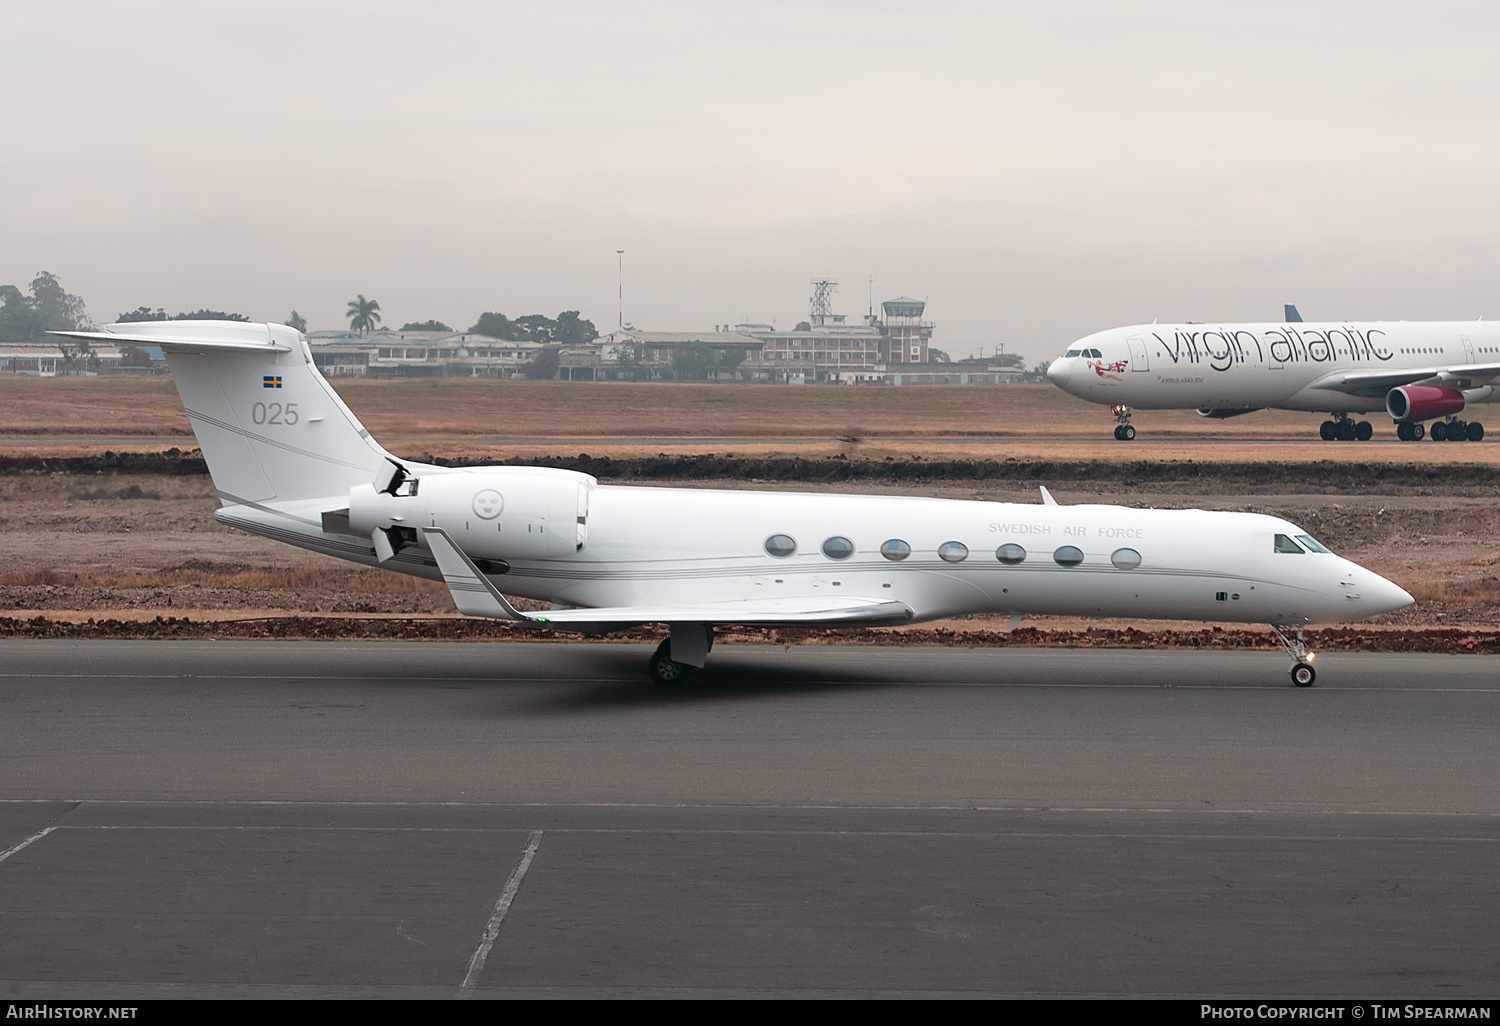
x=1376 y=382
x=475 y=595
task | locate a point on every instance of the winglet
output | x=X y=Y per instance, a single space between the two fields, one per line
x=472 y=592
x=1047 y=499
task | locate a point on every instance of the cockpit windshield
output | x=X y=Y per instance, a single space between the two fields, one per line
x=1284 y=543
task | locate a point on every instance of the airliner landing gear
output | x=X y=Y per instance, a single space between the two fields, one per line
x=1303 y=674
x=664 y=669
x=1123 y=431
x=1456 y=430
x=1342 y=429
x=1411 y=431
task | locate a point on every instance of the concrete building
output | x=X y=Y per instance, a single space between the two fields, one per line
x=41 y=359
x=419 y=354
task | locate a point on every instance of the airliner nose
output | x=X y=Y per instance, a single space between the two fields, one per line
x=1058 y=372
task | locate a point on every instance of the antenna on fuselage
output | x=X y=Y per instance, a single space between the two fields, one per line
x=1047 y=499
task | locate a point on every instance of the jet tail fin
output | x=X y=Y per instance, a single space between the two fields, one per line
x=270 y=426
x=1292 y=316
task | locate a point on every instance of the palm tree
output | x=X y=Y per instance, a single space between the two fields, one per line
x=364 y=314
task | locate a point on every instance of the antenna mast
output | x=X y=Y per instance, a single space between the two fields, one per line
x=822 y=306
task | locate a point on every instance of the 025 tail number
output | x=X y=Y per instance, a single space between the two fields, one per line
x=274 y=413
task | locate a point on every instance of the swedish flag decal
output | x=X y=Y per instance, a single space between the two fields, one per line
x=271 y=381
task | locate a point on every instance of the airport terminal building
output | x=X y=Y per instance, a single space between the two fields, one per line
x=893 y=348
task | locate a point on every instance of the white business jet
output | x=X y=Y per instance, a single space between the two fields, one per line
x=291 y=462
x=1415 y=371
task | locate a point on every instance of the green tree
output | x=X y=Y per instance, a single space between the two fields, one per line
x=495 y=325
x=935 y=355
x=630 y=356
x=544 y=366
x=572 y=329
x=134 y=356
x=535 y=328
x=695 y=361
x=364 y=314
x=425 y=326
x=142 y=313
x=209 y=315
x=296 y=320
x=49 y=307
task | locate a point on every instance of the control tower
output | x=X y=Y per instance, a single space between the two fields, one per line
x=907 y=334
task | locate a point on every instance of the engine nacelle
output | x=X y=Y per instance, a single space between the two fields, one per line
x=1411 y=403
x=498 y=513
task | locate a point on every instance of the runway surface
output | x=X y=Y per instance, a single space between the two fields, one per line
x=282 y=819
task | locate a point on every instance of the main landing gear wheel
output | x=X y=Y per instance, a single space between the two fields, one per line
x=1302 y=672
x=1476 y=431
x=665 y=670
x=1124 y=433
x=1342 y=429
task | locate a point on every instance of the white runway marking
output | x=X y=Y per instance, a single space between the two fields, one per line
x=492 y=931
x=8 y=852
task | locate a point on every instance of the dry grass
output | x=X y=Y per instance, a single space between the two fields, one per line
x=297 y=579
x=469 y=408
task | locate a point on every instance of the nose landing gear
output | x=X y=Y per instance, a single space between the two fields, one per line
x=1123 y=431
x=1302 y=672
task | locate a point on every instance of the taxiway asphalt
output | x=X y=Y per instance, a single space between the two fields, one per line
x=282 y=819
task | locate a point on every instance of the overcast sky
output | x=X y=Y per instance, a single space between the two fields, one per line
x=1035 y=171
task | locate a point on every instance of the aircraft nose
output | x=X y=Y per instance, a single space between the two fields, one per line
x=1383 y=596
x=1058 y=372
x=1372 y=594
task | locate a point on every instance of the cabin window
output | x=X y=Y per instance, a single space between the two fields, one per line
x=1125 y=559
x=838 y=548
x=953 y=552
x=895 y=549
x=781 y=545
x=1068 y=555
x=1313 y=544
x=1010 y=554
x=1285 y=544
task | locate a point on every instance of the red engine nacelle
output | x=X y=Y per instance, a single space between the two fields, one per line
x=1411 y=403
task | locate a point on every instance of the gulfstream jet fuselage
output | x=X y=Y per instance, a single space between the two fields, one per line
x=291 y=462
